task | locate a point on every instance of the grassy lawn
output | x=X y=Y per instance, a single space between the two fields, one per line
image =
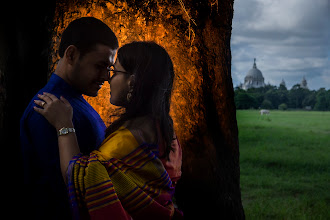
x=285 y=164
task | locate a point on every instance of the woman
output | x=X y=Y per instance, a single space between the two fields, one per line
x=133 y=173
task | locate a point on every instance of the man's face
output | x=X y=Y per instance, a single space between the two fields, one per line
x=90 y=71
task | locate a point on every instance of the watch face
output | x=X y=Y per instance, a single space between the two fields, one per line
x=64 y=131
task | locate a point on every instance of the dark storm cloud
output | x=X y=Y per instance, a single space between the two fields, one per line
x=289 y=38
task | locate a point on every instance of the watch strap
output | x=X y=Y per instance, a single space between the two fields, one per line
x=64 y=131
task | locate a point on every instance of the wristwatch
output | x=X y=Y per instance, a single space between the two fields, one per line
x=64 y=131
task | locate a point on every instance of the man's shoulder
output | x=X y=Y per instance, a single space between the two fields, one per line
x=29 y=112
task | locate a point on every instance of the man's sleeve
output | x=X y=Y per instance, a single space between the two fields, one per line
x=43 y=138
x=44 y=179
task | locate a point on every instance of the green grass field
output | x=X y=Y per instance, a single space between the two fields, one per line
x=285 y=164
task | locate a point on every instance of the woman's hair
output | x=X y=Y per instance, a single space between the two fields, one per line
x=154 y=75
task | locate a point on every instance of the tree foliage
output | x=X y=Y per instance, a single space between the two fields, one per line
x=273 y=97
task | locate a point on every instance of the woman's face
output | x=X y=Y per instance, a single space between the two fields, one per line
x=120 y=82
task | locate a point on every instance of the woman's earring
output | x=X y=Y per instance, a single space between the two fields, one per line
x=129 y=95
x=131 y=86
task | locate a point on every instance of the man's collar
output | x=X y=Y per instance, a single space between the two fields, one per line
x=63 y=86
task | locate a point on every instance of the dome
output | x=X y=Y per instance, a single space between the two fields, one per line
x=253 y=78
x=254 y=72
x=303 y=83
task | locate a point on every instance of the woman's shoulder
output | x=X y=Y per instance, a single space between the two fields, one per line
x=118 y=144
x=128 y=137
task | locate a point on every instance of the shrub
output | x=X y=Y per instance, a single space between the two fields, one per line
x=266 y=104
x=283 y=107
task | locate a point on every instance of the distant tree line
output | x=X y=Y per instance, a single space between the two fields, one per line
x=273 y=97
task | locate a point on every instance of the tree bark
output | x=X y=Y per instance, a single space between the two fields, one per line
x=25 y=39
x=211 y=182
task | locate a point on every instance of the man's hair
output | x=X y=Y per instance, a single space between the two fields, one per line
x=85 y=33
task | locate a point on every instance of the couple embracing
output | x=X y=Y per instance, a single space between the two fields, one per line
x=75 y=167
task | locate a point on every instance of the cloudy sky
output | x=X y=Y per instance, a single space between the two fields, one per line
x=289 y=39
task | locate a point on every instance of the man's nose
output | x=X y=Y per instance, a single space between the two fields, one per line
x=105 y=75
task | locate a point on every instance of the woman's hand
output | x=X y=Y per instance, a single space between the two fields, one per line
x=58 y=112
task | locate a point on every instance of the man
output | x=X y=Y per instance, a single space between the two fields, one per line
x=87 y=48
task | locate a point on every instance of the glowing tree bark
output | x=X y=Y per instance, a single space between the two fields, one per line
x=212 y=156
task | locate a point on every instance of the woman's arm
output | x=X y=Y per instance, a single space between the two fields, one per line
x=59 y=113
x=68 y=147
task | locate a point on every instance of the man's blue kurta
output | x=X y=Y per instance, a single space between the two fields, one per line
x=46 y=193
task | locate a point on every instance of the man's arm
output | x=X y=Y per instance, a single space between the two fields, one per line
x=59 y=114
x=43 y=138
x=41 y=167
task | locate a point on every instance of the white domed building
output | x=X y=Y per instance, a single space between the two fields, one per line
x=303 y=83
x=253 y=78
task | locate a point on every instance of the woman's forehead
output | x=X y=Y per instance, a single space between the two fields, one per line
x=118 y=65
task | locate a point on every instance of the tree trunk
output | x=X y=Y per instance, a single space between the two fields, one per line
x=25 y=35
x=210 y=182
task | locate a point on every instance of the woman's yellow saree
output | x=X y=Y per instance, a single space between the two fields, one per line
x=121 y=180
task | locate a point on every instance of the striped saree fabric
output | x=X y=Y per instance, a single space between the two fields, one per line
x=121 y=180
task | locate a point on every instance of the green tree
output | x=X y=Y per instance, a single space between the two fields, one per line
x=283 y=94
x=322 y=100
x=296 y=96
x=282 y=87
x=328 y=99
x=310 y=99
x=266 y=104
x=272 y=95
x=258 y=94
x=282 y=107
x=244 y=100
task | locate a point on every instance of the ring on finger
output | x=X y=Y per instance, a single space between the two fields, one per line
x=43 y=104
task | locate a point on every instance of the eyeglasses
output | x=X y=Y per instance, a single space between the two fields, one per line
x=112 y=72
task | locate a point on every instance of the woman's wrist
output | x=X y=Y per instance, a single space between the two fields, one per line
x=64 y=125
